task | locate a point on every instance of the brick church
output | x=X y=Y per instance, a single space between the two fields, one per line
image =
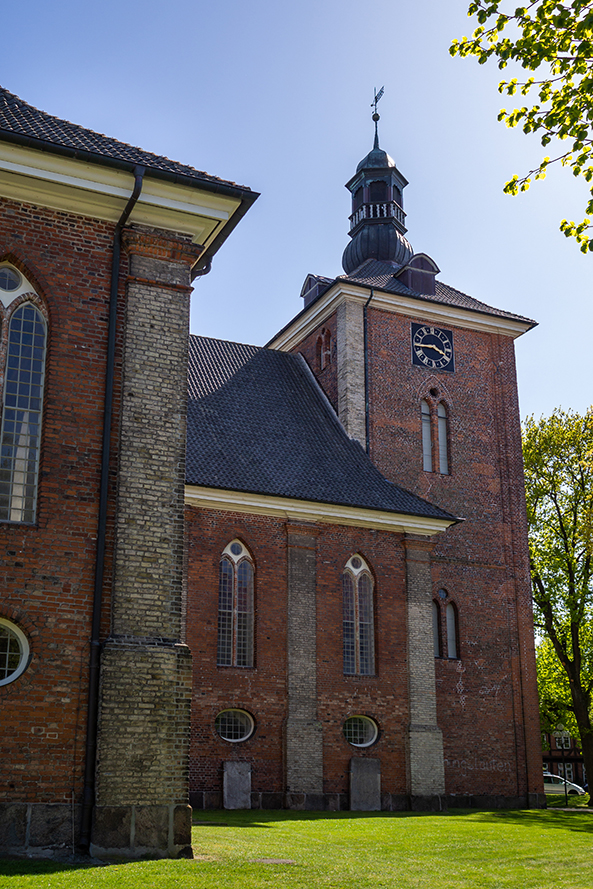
x=291 y=576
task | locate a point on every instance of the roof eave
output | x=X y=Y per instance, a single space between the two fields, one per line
x=220 y=187
x=289 y=508
x=322 y=306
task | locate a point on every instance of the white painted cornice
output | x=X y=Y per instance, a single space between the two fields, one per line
x=101 y=192
x=308 y=511
x=420 y=309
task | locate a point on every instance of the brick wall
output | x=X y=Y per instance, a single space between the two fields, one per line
x=487 y=698
x=145 y=680
x=264 y=691
x=47 y=570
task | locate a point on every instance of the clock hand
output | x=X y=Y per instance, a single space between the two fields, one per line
x=430 y=346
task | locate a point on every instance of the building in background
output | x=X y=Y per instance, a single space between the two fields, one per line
x=564 y=753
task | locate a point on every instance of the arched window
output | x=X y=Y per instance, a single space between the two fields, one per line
x=20 y=434
x=426 y=437
x=358 y=621
x=326 y=356
x=358 y=198
x=443 y=435
x=436 y=628
x=451 y=615
x=235 y=607
x=319 y=352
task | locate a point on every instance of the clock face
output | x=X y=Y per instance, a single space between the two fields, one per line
x=432 y=347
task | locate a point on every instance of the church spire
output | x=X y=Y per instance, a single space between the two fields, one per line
x=377 y=226
x=376 y=115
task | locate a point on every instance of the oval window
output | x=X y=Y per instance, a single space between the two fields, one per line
x=234 y=725
x=360 y=731
x=14 y=652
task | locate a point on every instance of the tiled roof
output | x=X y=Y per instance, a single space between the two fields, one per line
x=259 y=423
x=374 y=273
x=23 y=121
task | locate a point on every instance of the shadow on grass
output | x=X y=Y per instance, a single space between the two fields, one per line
x=547 y=819
x=539 y=818
x=21 y=867
x=550 y=819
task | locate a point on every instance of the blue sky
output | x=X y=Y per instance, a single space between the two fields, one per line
x=277 y=96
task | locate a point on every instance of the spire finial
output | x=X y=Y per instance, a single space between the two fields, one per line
x=376 y=116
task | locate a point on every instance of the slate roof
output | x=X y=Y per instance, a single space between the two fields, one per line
x=374 y=273
x=20 y=122
x=259 y=423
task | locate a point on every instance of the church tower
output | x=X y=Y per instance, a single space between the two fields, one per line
x=377 y=222
x=423 y=377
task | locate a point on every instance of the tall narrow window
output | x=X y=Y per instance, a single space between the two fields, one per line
x=426 y=437
x=235 y=607
x=443 y=436
x=451 y=616
x=327 y=349
x=21 y=417
x=358 y=621
x=436 y=629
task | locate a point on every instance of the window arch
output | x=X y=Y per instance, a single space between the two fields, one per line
x=426 y=436
x=20 y=434
x=452 y=638
x=235 y=607
x=445 y=626
x=319 y=352
x=436 y=628
x=443 y=436
x=324 y=349
x=358 y=618
x=326 y=355
x=435 y=434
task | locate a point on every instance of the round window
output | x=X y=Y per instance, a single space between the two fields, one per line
x=14 y=652
x=234 y=725
x=360 y=731
x=9 y=279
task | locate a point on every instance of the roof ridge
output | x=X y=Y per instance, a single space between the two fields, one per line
x=216 y=339
x=21 y=119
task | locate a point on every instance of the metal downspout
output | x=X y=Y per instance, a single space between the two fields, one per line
x=88 y=799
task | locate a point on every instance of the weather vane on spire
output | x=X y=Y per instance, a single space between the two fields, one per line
x=376 y=116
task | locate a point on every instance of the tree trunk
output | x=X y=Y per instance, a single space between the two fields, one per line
x=582 y=705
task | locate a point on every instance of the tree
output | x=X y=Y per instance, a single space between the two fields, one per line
x=557 y=37
x=555 y=702
x=558 y=454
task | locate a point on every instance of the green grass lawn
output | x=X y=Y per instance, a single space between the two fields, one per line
x=352 y=851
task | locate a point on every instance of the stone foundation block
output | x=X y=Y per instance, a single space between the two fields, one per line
x=53 y=825
x=13 y=825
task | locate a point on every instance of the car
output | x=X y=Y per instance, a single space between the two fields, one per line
x=555 y=784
